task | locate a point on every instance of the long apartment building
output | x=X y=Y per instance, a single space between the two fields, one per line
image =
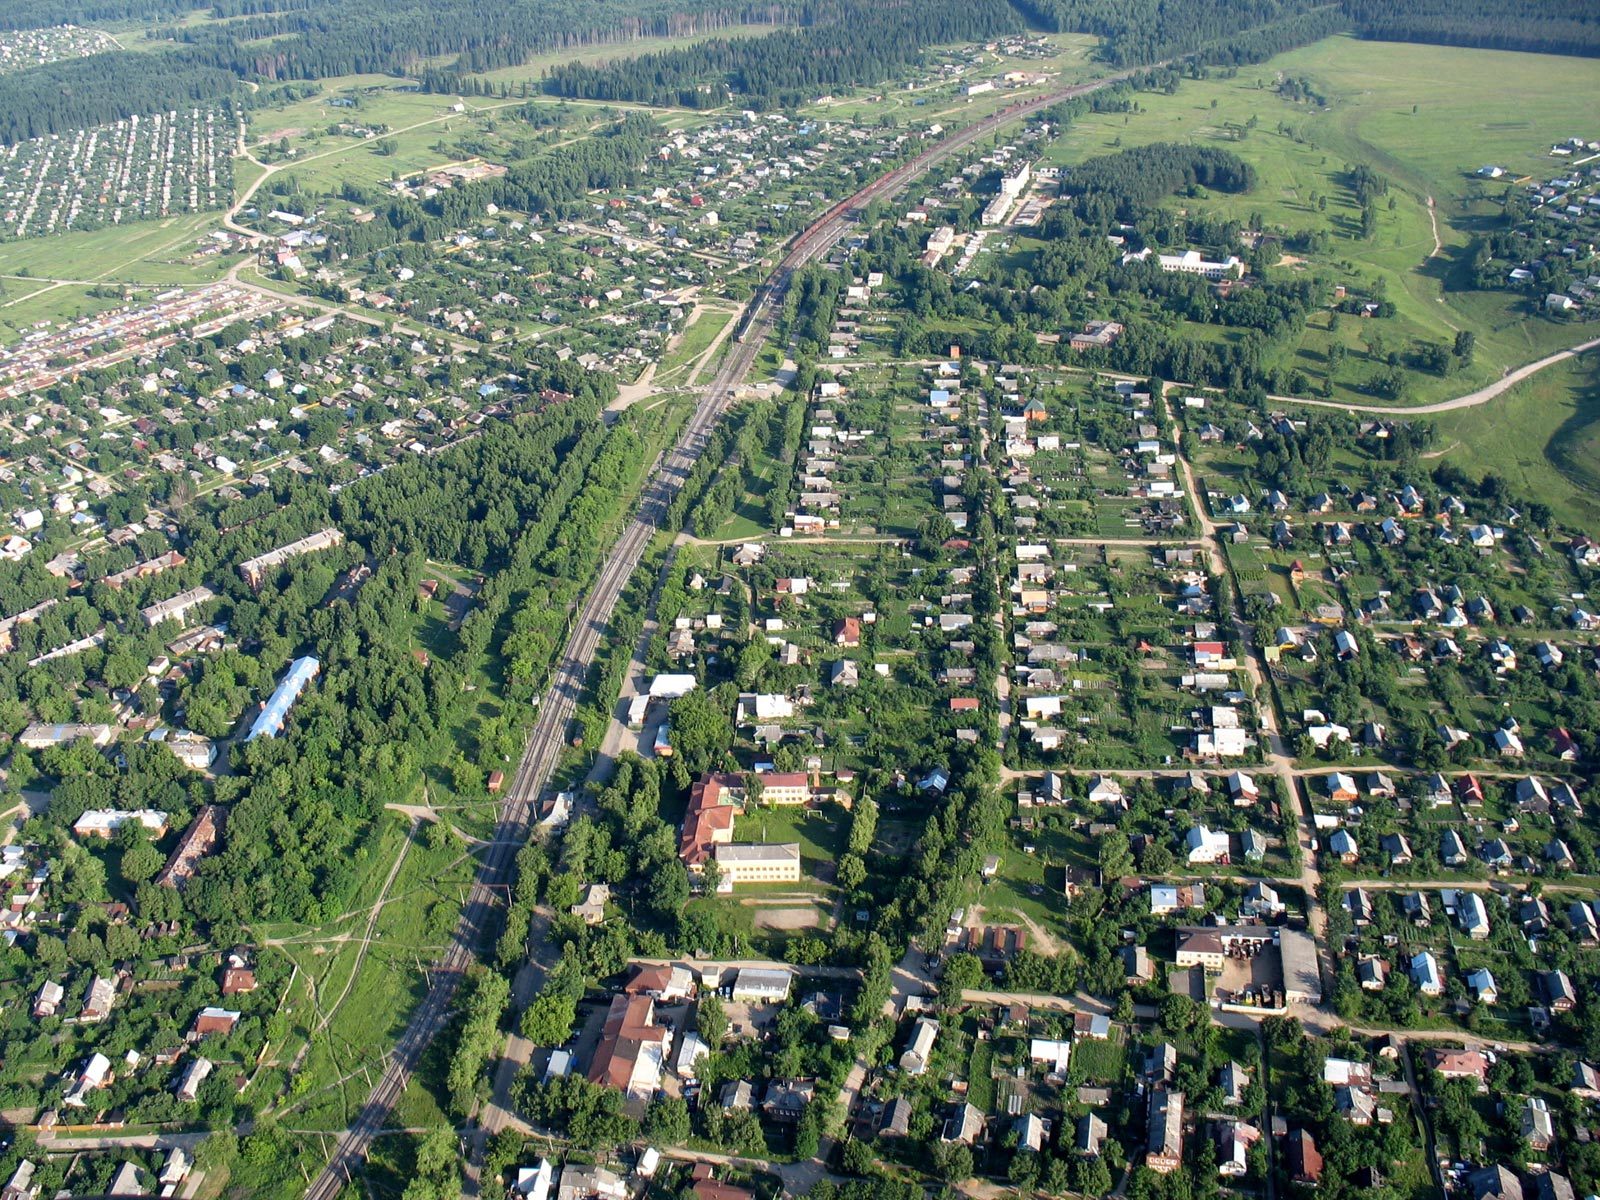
x=256 y=570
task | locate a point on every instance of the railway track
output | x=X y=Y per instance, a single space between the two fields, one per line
x=560 y=702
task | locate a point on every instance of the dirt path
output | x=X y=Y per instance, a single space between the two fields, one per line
x=372 y=922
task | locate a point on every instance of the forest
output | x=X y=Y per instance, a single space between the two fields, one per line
x=828 y=44
x=858 y=44
x=78 y=92
x=1141 y=32
x=1539 y=26
x=1237 y=31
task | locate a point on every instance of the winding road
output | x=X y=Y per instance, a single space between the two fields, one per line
x=1471 y=400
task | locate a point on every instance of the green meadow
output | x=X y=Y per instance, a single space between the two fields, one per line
x=1423 y=117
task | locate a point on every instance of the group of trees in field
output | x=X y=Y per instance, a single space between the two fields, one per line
x=1132 y=181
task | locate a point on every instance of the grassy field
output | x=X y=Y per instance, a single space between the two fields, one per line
x=1554 y=453
x=351 y=1023
x=677 y=365
x=1422 y=116
x=142 y=252
x=24 y=304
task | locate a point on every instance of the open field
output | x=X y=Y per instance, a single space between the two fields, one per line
x=353 y=1020
x=678 y=364
x=1552 y=452
x=1300 y=153
x=144 y=252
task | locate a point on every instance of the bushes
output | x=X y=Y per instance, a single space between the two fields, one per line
x=480 y=1005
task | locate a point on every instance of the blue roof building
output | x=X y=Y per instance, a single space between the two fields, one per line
x=269 y=722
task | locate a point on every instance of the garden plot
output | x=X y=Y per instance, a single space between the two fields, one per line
x=1086 y=461
x=888 y=451
x=1103 y=666
x=24 y=48
x=141 y=167
x=856 y=650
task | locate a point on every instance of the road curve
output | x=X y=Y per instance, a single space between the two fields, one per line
x=555 y=712
x=1471 y=400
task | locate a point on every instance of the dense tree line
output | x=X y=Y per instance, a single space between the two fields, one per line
x=1229 y=32
x=1218 y=31
x=107 y=87
x=836 y=43
x=312 y=41
x=1541 y=26
x=856 y=43
x=303 y=41
x=37 y=14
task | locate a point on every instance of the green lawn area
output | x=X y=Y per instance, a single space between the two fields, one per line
x=676 y=367
x=412 y=928
x=821 y=833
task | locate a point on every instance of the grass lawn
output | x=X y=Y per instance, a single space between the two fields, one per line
x=676 y=366
x=821 y=833
x=418 y=914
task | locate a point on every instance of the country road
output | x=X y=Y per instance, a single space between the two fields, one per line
x=550 y=728
x=1471 y=400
